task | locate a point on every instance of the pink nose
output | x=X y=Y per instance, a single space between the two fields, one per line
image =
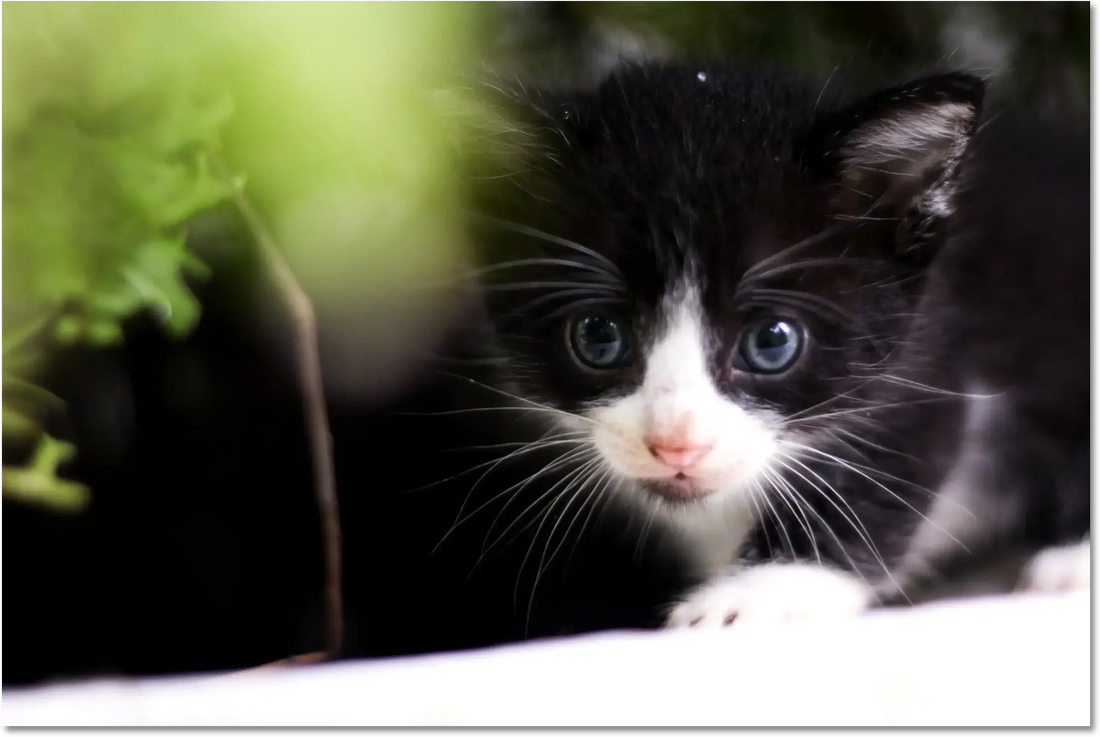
x=680 y=458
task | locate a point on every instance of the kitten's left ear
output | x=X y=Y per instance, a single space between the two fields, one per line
x=898 y=150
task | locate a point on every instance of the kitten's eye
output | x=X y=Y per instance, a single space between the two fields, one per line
x=598 y=342
x=770 y=346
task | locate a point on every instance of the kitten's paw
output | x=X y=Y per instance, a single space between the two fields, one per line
x=772 y=591
x=1065 y=568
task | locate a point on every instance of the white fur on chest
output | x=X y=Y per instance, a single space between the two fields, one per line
x=714 y=532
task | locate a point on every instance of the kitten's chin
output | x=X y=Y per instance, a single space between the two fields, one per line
x=676 y=490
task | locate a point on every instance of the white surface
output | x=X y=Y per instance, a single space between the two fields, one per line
x=1011 y=661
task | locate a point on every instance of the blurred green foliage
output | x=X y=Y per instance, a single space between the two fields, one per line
x=123 y=121
x=115 y=115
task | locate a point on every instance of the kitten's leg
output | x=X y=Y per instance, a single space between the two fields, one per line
x=1063 y=568
x=773 y=591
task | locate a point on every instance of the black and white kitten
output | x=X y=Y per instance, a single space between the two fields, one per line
x=833 y=344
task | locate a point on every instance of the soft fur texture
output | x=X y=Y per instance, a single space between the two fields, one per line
x=930 y=269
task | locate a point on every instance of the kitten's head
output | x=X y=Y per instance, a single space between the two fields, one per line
x=698 y=268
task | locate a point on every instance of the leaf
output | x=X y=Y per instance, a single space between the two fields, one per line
x=38 y=483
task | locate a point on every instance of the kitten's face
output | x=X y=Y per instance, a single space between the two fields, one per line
x=691 y=294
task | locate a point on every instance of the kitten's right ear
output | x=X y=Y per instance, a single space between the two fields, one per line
x=899 y=149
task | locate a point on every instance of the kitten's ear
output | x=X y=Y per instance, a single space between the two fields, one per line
x=898 y=150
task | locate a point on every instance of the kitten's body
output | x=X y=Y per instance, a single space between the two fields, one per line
x=936 y=405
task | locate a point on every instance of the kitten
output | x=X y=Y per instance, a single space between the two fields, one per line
x=833 y=344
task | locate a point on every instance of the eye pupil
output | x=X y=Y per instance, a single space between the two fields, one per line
x=770 y=347
x=773 y=336
x=598 y=342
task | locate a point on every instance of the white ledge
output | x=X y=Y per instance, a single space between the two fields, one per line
x=999 y=661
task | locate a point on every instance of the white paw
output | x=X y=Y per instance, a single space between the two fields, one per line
x=772 y=591
x=1065 y=568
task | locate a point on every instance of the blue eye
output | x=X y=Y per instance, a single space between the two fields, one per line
x=598 y=342
x=770 y=346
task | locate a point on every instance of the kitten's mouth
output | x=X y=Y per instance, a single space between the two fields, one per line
x=679 y=488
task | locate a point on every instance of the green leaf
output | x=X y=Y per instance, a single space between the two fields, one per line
x=38 y=483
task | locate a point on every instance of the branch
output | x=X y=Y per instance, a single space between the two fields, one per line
x=309 y=373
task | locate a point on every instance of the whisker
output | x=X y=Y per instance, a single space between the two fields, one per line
x=768 y=262
x=581 y=477
x=889 y=491
x=520 y=286
x=566 y=479
x=798 y=299
x=589 y=500
x=570 y=294
x=574 y=434
x=833 y=398
x=519 y=263
x=534 y=445
x=775 y=513
x=582 y=455
x=607 y=485
x=639 y=545
x=862 y=410
x=859 y=528
x=797 y=511
x=543 y=236
x=578 y=494
x=459 y=519
x=935 y=390
x=879 y=472
x=530 y=402
x=868 y=443
x=813 y=263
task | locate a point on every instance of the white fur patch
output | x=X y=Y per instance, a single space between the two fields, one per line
x=911 y=136
x=1064 y=568
x=772 y=592
x=679 y=403
x=913 y=142
x=966 y=512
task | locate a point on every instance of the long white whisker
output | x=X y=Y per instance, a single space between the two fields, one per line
x=868 y=443
x=784 y=489
x=525 y=401
x=544 y=561
x=528 y=447
x=856 y=523
x=513 y=454
x=609 y=481
x=582 y=455
x=778 y=517
x=543 y=236
x=581 y=477
x=860 y=410
x=790 y=250
x=889 y=491
x=589 y=500
x=934 y=390
x=571 y=435
x=572 y=455
x=566 y=479
x=539 y=262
